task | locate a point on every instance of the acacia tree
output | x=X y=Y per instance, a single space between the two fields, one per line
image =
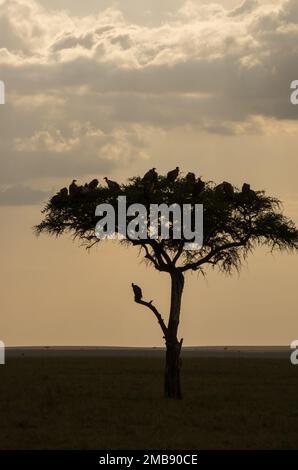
x=235 y=222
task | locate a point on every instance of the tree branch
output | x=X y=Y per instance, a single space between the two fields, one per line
x=208 y=258
x=150 y=257
x=178 y=253
x=156 y=313
x=157 y=261
x=161 y=255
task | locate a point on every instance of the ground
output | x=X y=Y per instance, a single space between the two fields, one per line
x=117 y=403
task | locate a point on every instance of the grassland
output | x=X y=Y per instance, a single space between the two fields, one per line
x=117 y=403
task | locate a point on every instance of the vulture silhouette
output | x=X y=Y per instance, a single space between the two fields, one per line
x=137 y=292
x=173 y=175
x=93 y=184
x=190 y=178
x=63 y=192
x=59 y=197
x=73 y=188
x=246 y=188
x=112 y=185
x=151 y=176
x=225 y=189
x=247 y=191
x=228 y=189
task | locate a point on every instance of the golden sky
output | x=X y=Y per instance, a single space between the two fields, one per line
x=103 y=88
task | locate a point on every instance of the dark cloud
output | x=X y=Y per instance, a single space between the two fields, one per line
x=81 y=94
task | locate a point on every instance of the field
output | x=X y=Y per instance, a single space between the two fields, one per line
x=117 y=403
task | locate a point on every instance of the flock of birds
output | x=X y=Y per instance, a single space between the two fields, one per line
x=149 y=181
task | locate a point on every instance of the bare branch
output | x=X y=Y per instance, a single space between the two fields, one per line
x=208 y=258
x=161 y=255
x=156 y=313
x=178 y=253
x=90 y=245
x=150 y=257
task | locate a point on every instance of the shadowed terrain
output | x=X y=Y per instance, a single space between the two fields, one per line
x=116 y=403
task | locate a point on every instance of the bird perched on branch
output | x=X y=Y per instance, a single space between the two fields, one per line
x=137 y=292
x=151 y=176
x=112 y=185
x=73 y=188
x=85 y=189
x=190 y=178
x=93 y=184
x=173 y=175
x=63 y=192
x=225 y=189
x=228 y=189
x=60 y=196
x=247 y=191
x=246 y=188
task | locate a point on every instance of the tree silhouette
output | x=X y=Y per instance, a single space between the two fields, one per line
x=235 y=222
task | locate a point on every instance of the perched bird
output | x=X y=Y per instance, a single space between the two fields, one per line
x=190 y=178
x=63 y=192
x=85 y=189
x=112 y=185
x=198 y=187
x=173 y=175
x=225 y=189
x=228 y=189
x=137 y=292
x=73 y=188
x=151 y=176
x=247 y=191
x=246 y=188
x=93 y=184
x=57 y=198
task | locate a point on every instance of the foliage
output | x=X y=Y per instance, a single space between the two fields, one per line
x=235 y=221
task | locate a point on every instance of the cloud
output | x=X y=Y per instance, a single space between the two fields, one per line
x=21 y=195
x=85 y=93
x=246 y=7
x=77 y=150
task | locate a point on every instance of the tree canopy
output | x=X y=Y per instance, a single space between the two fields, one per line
x=235 y=220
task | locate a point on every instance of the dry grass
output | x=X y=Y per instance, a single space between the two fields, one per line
x=117 y=403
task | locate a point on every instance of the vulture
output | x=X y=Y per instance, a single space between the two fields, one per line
x=199 y=186
x=228 y=189
x=246 y=188
x=225 y=189
x=151 y=176
x=112 y=185
x=73 y=188
x=173 y=175
x=57 y=198
x=93 y=184
x=137 y=292
x=247 y=191
x=85 y=189
x=190 y=178
x=63 y=192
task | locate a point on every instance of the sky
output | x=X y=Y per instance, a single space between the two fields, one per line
x=113 y=88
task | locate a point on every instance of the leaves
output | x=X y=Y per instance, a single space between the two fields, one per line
x=234 y=223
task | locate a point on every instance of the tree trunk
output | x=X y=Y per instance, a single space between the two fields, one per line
x=173 y=361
